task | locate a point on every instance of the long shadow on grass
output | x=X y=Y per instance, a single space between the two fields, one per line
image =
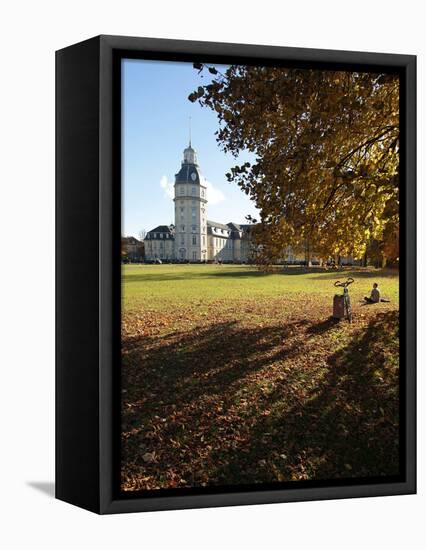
x=206 y=272
x=182 y=399
x=358 y=274
x=346 y=427
x=169 y=382
x=198 y=273
x=184 y=365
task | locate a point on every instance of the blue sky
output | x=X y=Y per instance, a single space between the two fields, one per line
x=155 y=118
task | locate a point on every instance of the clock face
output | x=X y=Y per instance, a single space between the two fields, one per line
x=193 y=176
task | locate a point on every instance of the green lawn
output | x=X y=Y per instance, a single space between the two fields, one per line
x=169 y=285
x=231 y=376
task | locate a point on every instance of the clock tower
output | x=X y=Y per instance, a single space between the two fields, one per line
x=190 y=210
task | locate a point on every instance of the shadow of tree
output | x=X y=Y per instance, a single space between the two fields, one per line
x=364 y=273
x=323 y=326
x=198 y=273
x=250 y=272
x=231 y=404
x=348 y=426
x=171 y=368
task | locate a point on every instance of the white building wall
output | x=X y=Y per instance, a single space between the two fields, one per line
x=190 y=222
x=162 y=249
x=190 y=211
x=191 y=241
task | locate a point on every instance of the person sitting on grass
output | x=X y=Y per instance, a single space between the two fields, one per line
x=374 y=297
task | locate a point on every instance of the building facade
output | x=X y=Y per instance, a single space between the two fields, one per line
x=190 y=210
x=194 y=238
x=160 y=243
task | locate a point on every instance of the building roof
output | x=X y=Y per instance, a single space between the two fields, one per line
x=236 y=230
x=131 y=240
x=234 y=226
x=165 y=229
x=185 y=174
x=217 y=224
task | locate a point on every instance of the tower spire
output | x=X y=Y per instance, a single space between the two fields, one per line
x=190 y=131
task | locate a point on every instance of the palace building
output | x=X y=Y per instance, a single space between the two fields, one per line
x=193 y=237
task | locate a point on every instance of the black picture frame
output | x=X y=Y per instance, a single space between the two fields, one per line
x=88 y=202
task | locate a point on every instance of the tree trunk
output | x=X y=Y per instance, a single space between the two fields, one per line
x=308 y=255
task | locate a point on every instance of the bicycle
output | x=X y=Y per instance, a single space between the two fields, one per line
x=342 y=308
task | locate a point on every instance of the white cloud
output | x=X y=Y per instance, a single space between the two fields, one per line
x=167 y=187
x=214 y=195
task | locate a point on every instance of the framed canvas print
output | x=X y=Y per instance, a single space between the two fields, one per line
x=235 y=274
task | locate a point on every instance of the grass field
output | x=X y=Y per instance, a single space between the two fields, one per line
x=230 y=376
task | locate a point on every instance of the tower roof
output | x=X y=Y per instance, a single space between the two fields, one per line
x=189 y=155
x=189 y=171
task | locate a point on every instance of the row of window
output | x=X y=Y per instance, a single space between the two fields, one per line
x=194 y=240
x=160 y=235
x=193 y=219
x=193 y=210
x=222 y=243
x=182 y=190
x=218 y=230
x=193 y=228
x=217 y=241
x=152 y=245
